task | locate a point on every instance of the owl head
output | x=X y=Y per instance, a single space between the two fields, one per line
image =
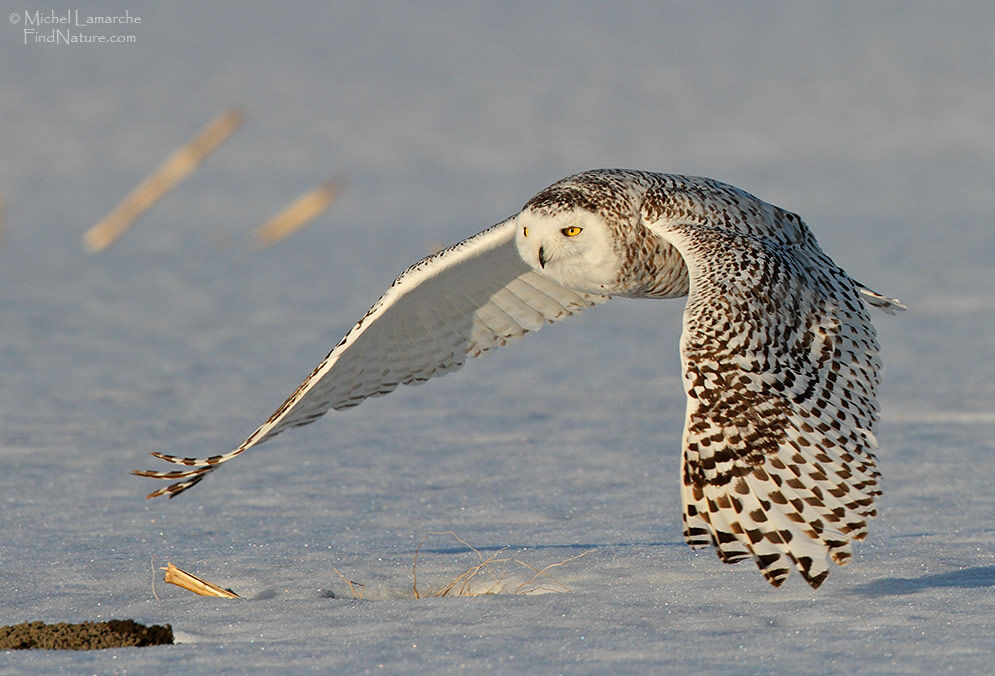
x=573 y=247
x=565 y=232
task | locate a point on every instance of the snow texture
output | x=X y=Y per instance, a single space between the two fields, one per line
x=874 y=121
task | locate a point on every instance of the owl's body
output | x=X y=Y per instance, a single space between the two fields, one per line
x=779 y=356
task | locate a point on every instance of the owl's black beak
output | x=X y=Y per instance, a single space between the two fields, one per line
x=542 y=258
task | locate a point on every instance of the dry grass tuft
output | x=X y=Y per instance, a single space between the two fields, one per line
x=352 y=584
x=496 y=565
x=493 y=574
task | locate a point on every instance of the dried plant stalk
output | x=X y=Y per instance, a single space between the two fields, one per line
x=171 y=172
x=296 y=215
x=461 y=585
x=524 y=587
x=352 y=584
x=195 y=584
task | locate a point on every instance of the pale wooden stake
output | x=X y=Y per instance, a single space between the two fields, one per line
x=195 y=584
x=296 y=215
x=171 y=172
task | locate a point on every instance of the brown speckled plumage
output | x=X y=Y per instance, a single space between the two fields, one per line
x=779 y=356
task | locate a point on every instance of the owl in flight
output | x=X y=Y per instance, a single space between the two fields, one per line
x=779 y=357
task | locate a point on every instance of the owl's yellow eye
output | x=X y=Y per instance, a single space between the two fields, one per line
x=525 y=231
x=572 y=231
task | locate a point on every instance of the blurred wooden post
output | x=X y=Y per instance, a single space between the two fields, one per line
x=296 y=215
x=172 y=171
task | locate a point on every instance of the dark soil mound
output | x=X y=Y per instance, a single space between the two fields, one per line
x=84 y=636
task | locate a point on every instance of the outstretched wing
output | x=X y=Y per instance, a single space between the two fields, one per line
x=465 y=300
x=780 y=365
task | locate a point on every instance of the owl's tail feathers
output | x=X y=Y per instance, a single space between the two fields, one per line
x=883 y=303
x=202 y=467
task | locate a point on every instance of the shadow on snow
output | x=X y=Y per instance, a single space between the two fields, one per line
x=967 y=578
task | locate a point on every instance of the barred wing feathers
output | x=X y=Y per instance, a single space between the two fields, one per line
x=462 y=301
x=780 y=367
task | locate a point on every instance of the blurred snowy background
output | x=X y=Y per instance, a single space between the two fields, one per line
x=874 y=121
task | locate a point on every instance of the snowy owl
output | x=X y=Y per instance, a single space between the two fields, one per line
x=779 y=357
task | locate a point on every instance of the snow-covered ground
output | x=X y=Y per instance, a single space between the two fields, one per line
x=875 y=121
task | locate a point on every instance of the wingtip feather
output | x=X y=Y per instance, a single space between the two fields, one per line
x=883 y=303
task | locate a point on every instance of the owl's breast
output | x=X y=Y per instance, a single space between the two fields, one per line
x=651 y=268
